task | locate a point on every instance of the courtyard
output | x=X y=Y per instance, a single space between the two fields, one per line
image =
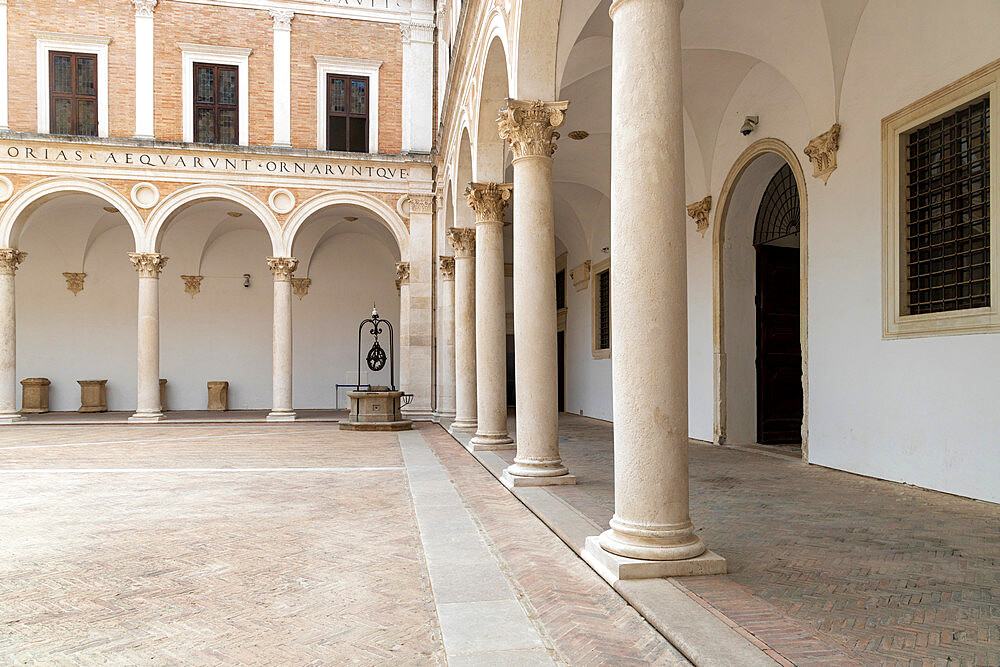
x=255 y=543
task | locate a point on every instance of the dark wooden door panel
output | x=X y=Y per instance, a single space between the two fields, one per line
x=779 y=355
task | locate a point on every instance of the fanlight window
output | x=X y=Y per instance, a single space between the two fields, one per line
x=778 y=215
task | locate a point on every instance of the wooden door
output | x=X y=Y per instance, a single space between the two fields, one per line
x=561 y=352
x=779 y=355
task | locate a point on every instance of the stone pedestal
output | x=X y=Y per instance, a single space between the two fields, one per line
x=163 y=394
x=377 y=410
x=218 y=395
x=93 y=395
x=35 y=395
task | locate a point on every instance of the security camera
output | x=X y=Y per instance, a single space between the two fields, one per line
x=749 y=123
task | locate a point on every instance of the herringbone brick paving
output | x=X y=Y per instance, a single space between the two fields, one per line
x=880 y=572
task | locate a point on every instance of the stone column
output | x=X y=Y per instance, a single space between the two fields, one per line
x=148 y=265
x=9 y=260
x=419 y=356
x=446 y=343
x=529 y=129
x=281 y=339
x=489 y=200
x=403 y=287
x=463 y=240
x=144 y=71
x=651 y=528
x=282 y=37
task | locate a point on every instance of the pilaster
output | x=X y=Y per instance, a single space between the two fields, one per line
x=144 y=68
x=282 y=81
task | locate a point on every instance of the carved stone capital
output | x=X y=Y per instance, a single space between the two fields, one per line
x=192 y=284
x=148 y=264
x=488 y=200
x=822 y=152
x=74 y=282
x=463 y=241
x=300 y=286
x=144 y=7
x=421 y=32
x=699 y=211
x=529 y=127
x=580 y=275
x=282 y=267
x=421 y=203
x=282 y=18
x=9 y=260
x=447 y=267
x=402 y=274
x=404 y=32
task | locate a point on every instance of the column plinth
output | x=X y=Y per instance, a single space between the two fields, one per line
x=281 y=339
x=489 y=200
x=463 y=241
x=9 y=261
x=148 y=266
x=529 y=130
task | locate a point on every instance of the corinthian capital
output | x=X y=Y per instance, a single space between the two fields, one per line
x=282 y=18
x=282 y=267
x=148 y=264
x=463 y=240
x=144 y=7
x=529 y=127
x=488 y=200
x=822 y=152
x=9 y=259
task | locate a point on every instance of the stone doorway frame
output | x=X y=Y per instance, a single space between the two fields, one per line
x=746 y=158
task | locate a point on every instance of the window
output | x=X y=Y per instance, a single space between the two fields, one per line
x=561 y=289
x=347 y=113
x=216 y=104
x=73 y=93
x=940 y=265
x=601 y=289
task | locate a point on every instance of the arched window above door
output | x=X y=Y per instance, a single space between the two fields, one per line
x=778 y=214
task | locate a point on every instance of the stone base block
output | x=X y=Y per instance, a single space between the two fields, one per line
x=491 y=443
x=613 y=567
x=403 y=425
x=146 y=418
x=515 y=481
x=281 y=417
x=462 y=427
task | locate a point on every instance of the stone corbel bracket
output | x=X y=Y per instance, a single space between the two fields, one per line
x=402 y=274
x=74 y=282
x=300 y=286
x=822 y=152
x=580 y=275
x=699 y=211
x=192 y=284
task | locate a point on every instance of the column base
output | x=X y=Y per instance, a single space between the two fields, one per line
x=463 y=426
x=11 y=418
x=513 y=481
x=491 y=442
x=614 y=567
x=442 y=415
x=146 y=418
x=281 y=416
x=419 y=414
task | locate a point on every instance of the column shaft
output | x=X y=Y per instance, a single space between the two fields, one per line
x=446 y=341
x=148 y=266
x=9 y=260
x=463 y=240
x=281 y=339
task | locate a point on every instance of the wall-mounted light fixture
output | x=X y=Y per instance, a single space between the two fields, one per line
x=246 y=280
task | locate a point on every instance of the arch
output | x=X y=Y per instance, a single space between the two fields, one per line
x=193 y=193
x=494 y=88
x=533 y=58
x=387 y=214
x=754 y=151
x=12 y=216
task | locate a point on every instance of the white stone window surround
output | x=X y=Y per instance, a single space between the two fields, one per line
x=57 y=41
x=595 y=308
x=215 y=55
x=896 y=324
x=349 y=67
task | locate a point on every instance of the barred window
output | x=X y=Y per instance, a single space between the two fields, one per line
x=946 y=211
x=604 y=310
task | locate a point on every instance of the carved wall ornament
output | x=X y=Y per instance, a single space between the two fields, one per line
x=822 y=152
x=463 y=241
x=580 y=275
x=144 y=7
x=422 y=32
x=300 y=286
x=402 y=274
x=488 y=200
x=282 y=18
x=699 y=211
x=447 y=267
x=192 y=284
x=148 y=264
x=281 y=200
x=9 y=260
x=145 y=195
x=421 y=203
x=74 y=282
x=6 y=188
x=404 y=32
x=282 y=267
x=529 y=127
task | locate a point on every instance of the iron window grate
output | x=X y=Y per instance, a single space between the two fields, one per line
x=947 y=211
x=604 y=310
x=778 y=213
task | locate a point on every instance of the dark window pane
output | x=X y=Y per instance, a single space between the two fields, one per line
x=227 y=126
x=359 y=135
x=336 y=92
x=337 y=134
x=227 y=86
x=86 y=76
x=205 y=126
x=561 y=289
x=62 y=116
x=359 y=98
x=86 y=112
x=62 y=74
x=604 y=310
x=206 y=85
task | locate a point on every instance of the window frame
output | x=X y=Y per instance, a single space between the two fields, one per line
x=895 y=322
x=48 y=42
x=347 y=115
x=74 y=97
x=217 y=106
x=208 y=54
x=348 y=67
x=604 y=266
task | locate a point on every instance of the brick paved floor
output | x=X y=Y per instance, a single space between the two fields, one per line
x=823 y=563
x=264 y=544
